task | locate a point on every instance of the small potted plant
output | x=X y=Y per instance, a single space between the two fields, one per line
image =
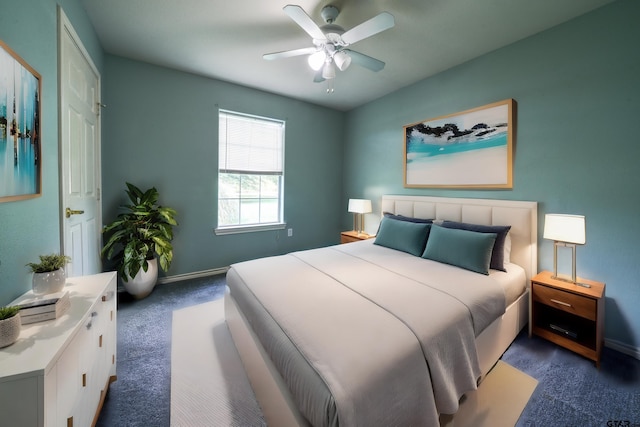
x=139 y=235
x=48 y=274
x=9 y=325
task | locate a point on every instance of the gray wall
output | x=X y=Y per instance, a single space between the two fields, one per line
x=577 y=87
x=161 y=129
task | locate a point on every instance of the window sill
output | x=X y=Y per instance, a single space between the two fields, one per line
x=221 y=231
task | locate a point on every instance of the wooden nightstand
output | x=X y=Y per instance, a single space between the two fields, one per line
x=569 y=315
x=353 y=236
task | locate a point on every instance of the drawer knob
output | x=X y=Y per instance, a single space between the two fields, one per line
x=566 y=304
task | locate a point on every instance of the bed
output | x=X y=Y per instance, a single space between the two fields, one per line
x=369 y=333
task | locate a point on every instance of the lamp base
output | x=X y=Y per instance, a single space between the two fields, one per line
x=568 y=280
x=573 y=264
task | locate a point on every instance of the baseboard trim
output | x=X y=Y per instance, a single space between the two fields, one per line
x=623 y=348
x=193 y=275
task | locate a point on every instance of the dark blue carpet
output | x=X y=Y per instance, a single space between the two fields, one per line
x=571 y=391
x=141 y=396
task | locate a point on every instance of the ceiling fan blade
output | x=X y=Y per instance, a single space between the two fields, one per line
x=290 y=53
x=317 y=78
x=378 y=23
x=364 y=60
x=304 y=21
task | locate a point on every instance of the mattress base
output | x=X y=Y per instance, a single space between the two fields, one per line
x=271 y=392
x=273 y=395
x=498 y=336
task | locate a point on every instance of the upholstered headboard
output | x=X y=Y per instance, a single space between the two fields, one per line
x=522 y=216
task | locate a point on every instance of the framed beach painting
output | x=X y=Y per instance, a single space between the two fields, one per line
x=470 y=149
x=20 y=161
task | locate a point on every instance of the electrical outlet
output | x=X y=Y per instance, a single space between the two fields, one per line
x=289 y=232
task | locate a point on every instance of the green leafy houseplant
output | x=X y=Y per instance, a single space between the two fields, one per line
x=8 y=312
x=51 y=262
x=143 y=231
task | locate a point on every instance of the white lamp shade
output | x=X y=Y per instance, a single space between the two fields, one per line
x=359 y=205
x=316 y=60
x=565 y=228
x=342 y=60
x=329 y=71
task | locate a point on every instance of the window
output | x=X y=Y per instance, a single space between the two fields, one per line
x=250 y=173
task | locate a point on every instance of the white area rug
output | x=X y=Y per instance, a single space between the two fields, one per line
x=209 y=386
x=498 y=401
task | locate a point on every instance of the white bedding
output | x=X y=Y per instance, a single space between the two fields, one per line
x=366 y=335
x=513 y=281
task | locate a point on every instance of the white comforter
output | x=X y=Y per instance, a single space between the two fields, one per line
x=390 y=334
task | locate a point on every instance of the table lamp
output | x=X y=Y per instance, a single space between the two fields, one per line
x=359 y=207
x=567 y=231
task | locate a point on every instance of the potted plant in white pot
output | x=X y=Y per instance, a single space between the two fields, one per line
x=9 y=325
x=48 y=274
x=139 y=239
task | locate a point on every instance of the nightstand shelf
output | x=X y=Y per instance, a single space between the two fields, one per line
x=354 y=236
x=569 y=315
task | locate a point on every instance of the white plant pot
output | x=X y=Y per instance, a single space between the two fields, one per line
x=144 y=282
x=9 y=330
x=48 y=283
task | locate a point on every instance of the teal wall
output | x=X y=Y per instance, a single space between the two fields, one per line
x=161 y=129
x=31 y=227
x=577 y=87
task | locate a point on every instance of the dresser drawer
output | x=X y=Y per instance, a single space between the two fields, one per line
x=565 y=301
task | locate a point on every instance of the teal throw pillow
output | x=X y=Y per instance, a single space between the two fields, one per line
x=497 y=254
x=470 y=250
x=403 y=236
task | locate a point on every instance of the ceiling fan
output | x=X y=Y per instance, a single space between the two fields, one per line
x=331 y=42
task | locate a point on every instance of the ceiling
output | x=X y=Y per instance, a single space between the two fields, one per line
x=225 y=40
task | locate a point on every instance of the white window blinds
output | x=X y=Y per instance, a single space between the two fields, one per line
x=250 y=144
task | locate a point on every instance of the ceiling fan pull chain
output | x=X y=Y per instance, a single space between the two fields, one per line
x=330 y=86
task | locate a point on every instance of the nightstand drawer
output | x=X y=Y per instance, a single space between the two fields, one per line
x=565 y=301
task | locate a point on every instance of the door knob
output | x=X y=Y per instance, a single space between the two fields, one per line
x=69 y=212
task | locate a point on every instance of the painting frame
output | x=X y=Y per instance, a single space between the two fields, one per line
x=20 y=125
x=471 y=149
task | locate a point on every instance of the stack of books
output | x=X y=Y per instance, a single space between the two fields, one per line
x=40 y=309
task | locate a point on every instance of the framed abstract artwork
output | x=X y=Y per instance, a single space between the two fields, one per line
x=20 y=160
x=470 y=149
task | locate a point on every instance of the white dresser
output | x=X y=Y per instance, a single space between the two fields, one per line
x=58 y=372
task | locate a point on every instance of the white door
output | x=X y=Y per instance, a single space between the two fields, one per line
x=79 y=153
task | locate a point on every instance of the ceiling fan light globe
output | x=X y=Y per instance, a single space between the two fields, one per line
x=342 y=60
x=329 y=71
x=316 y=60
